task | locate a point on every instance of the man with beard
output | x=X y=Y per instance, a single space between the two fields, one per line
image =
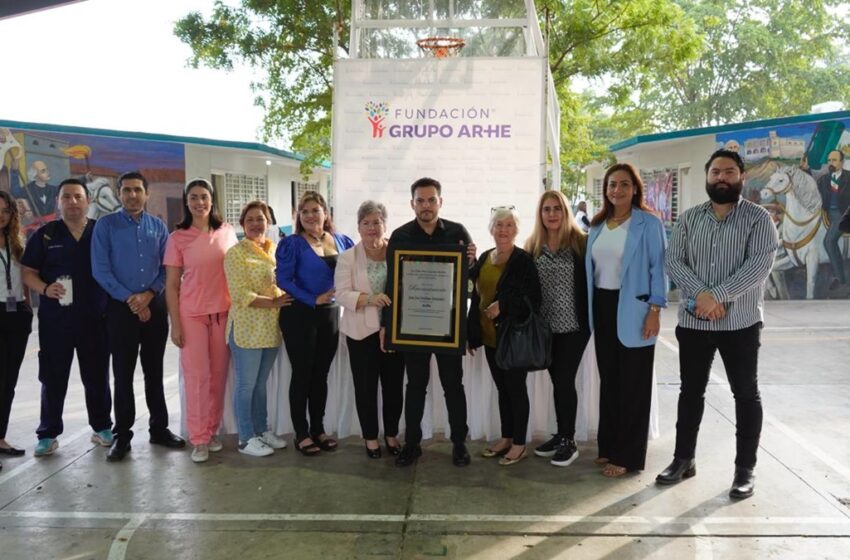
x=834 y=188
x=720 y=255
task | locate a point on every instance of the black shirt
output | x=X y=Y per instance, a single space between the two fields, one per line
x=445 y=232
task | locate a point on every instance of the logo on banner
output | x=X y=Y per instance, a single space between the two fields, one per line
x=375 y=114
x=435 y=122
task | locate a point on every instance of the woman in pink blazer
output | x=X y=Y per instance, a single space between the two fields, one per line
x=360 y=277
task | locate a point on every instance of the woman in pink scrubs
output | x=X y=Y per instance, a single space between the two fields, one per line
x=198 y=302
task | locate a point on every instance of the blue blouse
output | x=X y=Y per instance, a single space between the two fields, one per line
x=301 y=272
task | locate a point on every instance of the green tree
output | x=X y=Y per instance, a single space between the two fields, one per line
x=758 y=59
x=290 y=43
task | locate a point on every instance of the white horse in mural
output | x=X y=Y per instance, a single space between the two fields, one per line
x=103 y=199
x=801 y=227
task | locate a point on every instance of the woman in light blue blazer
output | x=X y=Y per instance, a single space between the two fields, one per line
x=627 y=288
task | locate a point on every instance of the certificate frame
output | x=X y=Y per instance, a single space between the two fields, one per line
x=453 y=342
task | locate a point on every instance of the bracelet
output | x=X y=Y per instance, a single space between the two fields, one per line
x=655 y=308
x=369 y=299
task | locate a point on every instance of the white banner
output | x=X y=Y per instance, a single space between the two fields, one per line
x=474 y=124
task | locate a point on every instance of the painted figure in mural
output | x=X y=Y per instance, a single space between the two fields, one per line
x=39 y=193
x=103 y=199
x=136 y=316
x=844 y=226
x=57 y=265
x=11 y=161
x=834 y=188
x=721 y=252
x=429 y=228
x=626 y=289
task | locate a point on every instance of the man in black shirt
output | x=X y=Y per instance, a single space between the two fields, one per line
x=429 y=228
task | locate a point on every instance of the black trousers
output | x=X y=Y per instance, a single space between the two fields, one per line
x=513 y=398
x=15 y=329
x=88 y=338
x=567 y=350
x=368 y=365
x=625 y=392
x=739 y=351
x=311 y=336
x=451 y=377
x=129 y=340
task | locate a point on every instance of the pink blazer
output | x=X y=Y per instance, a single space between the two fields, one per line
x=350 y=281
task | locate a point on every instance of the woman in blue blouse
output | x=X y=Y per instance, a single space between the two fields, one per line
x=310 y=326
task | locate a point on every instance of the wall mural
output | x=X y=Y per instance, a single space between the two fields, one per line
x=33 y=163
x=800 y=174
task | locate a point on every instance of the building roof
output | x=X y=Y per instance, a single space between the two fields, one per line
x=255 y=146
x=676 y=134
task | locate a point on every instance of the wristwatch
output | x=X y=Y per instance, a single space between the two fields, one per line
x=655 y=308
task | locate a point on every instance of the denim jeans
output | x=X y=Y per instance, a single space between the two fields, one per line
x=249 y=395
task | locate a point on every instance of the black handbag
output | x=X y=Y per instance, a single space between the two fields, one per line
x=524 y=345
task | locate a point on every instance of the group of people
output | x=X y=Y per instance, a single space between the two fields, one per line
x=230 y=299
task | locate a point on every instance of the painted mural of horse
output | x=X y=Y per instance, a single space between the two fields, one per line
x=103 y=199
x=801 y=228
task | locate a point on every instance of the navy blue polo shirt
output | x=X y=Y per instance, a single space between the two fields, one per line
x=63 y=255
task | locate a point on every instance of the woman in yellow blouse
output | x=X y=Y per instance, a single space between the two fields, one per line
x=252 y=330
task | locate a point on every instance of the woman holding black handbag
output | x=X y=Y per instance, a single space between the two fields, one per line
x=506 y=288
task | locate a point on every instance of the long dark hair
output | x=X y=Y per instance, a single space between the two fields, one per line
x=215 y=217
x=13 y=230
x=313 y=196
x=637 y=200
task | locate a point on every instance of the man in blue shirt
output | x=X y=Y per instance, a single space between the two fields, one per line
x=127 y=252
x=69 y=319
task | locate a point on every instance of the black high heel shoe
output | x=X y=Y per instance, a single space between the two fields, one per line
x=373 y=453
x=391 y=449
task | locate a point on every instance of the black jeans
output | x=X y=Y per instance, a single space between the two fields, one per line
x=567 y=350
x=368 y=365
x=451 y=377
x=513 y=398
x=311 y=336
x=625 y=392
x=739 y=352
x=131 y=339
x=15 y=328
x=88 y=337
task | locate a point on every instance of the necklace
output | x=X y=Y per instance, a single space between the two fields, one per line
x=318 y=240
x=77 y=232
x=620 y=220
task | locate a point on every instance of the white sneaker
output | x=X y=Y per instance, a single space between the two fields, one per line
x=256 y=447
x=270 y=439
x=215 y=445
x=201 y=453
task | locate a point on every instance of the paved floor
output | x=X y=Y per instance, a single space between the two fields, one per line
x=158 y=504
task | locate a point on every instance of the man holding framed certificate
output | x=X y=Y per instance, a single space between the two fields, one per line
x=427 y=263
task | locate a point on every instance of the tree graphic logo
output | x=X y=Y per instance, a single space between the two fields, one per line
x=375 y=114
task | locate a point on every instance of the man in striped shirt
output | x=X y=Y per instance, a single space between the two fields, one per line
x=720 y=255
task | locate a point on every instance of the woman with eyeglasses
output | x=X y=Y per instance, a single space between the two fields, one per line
x=198 y=304
x=15 y=314
x=310 y=326
x=360 y=279
x=627 y=288
x=505 y=285
x=558 y=245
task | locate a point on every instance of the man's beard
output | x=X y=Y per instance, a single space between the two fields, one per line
x=731 y=194
x=832 y=168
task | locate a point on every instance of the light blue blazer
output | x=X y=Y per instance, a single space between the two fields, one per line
x=642 y=276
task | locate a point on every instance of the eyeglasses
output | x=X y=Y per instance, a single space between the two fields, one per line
x=495 y=209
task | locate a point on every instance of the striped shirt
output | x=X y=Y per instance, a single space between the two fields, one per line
x=730 y=258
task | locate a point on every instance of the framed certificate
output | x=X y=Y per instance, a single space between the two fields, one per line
x=428 y=289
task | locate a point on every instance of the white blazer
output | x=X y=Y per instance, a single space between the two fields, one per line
x=350 y=280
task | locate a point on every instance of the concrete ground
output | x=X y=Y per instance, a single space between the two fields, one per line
x=158 y=504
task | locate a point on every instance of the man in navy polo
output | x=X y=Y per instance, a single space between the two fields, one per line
x=127 y=251
x=69 y=319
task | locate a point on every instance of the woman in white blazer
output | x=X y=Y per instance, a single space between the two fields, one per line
x=360 y=278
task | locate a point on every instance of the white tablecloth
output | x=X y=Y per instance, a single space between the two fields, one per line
x=481 y=400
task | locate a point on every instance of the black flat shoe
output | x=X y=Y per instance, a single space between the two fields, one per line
x=744 y=484
x=460 y=456
x=120 y=448
x=327 y=444
x=310 y=450
x=11 y=451
x=168 y=439
x=677 y=471
x=373 y=453
x=393 y=450
x=408 y=455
